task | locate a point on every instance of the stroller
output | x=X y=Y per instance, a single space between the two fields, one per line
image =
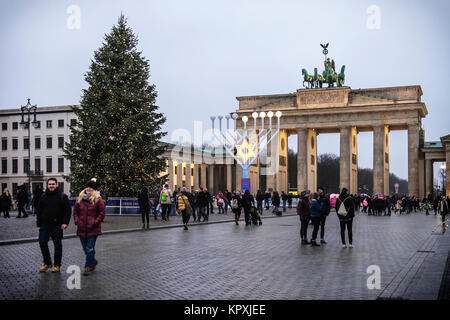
x=255 y=216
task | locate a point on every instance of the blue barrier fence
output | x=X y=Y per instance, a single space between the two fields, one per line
x=118 y=206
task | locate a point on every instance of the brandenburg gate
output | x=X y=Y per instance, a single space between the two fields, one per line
x=310 y=112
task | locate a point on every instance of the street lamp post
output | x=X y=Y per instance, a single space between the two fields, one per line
x=27 y=110
x=443 y=167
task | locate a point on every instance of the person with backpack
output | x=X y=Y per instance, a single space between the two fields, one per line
x=88 y=215
x=185 y=206
x=303 y=211
x=52 y=218
x=345 y=210
x=236 y=206
x=165 y=199
x=220 y=202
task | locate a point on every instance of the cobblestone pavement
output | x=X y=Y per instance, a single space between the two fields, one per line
x=225 y=261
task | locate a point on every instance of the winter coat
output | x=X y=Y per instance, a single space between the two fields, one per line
x=144 y=201
x=325 y=201
x=303 y=208
x=315 y=209
x=53 y=208
x=247 y=201
x=88 y=217
x=276 y=200
x=5 y=201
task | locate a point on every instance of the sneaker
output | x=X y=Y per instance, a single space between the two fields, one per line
x=350 y=245
x=56 y=269
x=45 y=267
x=87 y=271
x=237 y=223
x=323 y=241
x=344 y=246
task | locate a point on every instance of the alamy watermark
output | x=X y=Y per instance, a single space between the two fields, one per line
x=74 y=18
x=74 y=280
x=374 y=280
x=374 y=20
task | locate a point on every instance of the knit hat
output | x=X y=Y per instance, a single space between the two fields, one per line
x=344 y=190
x=92 y=184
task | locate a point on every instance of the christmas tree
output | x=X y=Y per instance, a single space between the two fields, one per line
x=116 y=137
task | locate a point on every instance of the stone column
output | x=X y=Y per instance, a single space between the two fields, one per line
x=171 y=173
x=211 y=179
x=180 y=174
x=229 y=177
x=344 y=159
x=381 y=159
x=203 y=175
x=413 y=158
x=428 y=177
x=302 y=150
x=196 y=180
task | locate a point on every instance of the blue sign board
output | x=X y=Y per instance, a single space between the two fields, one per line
x=245 y=184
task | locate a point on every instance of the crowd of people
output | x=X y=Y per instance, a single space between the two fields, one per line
x=53 y=211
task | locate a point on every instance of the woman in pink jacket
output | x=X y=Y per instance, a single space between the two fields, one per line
x=88 y=214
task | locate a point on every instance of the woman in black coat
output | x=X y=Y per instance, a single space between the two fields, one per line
x=347 y=219
x=5 y=203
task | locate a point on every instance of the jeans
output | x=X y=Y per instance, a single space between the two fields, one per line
x=165 y=210
x=323 y=218
x=247 y=216
x=47 y=231
x=237 y=214
x=316 y=224
x=304 y=228
x=185 y=216
x=145 y=213
x=284 y=205
x=202 y=214
x=220 y=207
x=88 y=245
x=347 y=223
x=21 y=209
x=260 y=207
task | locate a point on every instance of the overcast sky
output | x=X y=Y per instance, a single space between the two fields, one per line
x=203 y=54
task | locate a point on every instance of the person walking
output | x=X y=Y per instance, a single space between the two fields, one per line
x=259 y=201
x=284 y=198
x=5 y=203
x=236 y=206
x=37 y=194
x=444 y=209
x=325 y=201
x=303 y=211
x=144 y=206
x=185 y=207
x=88 y=214
x=220 y=203
x=345 y=215
x=266 y=199
x=276 y=202
x=52 y=218
x=165 y=199
x=247 y=202
x=22 y=202
x=156 y=207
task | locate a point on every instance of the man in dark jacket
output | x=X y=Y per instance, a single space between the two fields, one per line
x=247 y=202
x=325 y=201
x=22 y=201
x=202 y=203
x=53 y=216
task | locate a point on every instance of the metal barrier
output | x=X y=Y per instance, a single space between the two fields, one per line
x=118 y=206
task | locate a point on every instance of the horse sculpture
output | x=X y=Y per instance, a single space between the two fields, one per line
x=307 y=78
x=318 y=79
x=341 y=77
